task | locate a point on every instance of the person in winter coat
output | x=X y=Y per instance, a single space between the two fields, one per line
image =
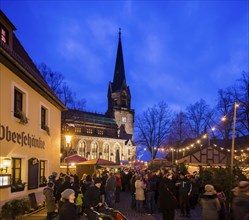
x=241 y=202
x=67 y=210
x=92 y=198
x=118 y=187
x=50 y=205
x=139 y=194
x=222 y=199
x=184 y=192
x=167 y=201
x=110 y=190
x=210 y=204
x=64 y=186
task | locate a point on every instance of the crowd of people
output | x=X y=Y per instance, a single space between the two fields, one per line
x=151 y=191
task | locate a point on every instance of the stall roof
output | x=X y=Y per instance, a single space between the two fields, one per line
x=97 y=161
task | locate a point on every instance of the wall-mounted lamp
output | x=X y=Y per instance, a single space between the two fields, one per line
x=4 y=164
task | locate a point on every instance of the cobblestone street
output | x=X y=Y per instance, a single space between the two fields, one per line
x=125 y=208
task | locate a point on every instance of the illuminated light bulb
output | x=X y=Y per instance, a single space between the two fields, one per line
x=213 y=129
x=198 y=141
x=192 y=145
x=144 y=149
x=204 y=136
x=223 y=118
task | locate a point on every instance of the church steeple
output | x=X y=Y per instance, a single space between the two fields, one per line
x=119 y=72
x=119 y=98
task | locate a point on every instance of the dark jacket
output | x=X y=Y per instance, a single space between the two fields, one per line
x=184 y=187
x=111 y=183
x=65 y=185
x=67 y=211
x=166 y=199
x=49 y=199
x=92 y=196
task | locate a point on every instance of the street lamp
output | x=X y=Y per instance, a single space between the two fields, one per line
x=68 y=141
x=233 y=134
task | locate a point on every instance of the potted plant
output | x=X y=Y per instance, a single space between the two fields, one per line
x=14 y=208
x=43 y=181
x=18 y=186
x=23 y=118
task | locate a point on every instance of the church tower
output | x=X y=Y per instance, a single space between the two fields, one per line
x=119 y=98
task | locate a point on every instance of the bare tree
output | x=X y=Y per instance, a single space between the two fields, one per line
x=180 y=130
x=224 y=109
x=57 y=83
x=54 y=79
x=153 y=127
x=199 y=117
x=241 y=96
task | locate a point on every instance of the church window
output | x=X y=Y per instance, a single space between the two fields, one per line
x=89 y=131
x=65 y=128
x=115 y=102
x=100 y=132
x=106 y=151
x=129 y=152
x=77 y=129
x=94 y=150
x=123 y=100
x=81 y=149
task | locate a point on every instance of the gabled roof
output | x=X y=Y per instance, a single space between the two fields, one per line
x=18 y=60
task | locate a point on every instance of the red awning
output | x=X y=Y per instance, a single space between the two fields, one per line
x=75 y=159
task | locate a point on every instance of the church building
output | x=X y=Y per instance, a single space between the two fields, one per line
x=107 y=136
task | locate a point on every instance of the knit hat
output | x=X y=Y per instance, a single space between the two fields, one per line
x=97 y=180
x=66 y=193
x=54 y=173
x=243 y=184
x=209 y=189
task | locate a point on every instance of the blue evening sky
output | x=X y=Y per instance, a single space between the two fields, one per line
x=177 y=51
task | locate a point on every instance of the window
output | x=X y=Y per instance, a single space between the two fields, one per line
x=65 y=128
x=123 y=100
x=115 y=102
x=77 y=129
x=81 y=149
x=43 y=180
x=4 y=35
x=106 y=151
x=100 y=132
x=18 y=103
x=89 y=131
x=94 y=149
x=16 y=170
x=129 y=152
x=43 y=118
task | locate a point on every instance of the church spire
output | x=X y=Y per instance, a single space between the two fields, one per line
x=119 y=72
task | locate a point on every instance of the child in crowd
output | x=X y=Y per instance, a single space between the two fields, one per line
x=78 y=203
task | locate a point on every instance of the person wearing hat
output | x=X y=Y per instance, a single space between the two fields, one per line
x=240 y=205
x=210 y=204
x=50 y=205
x=92 y=198
x=67 y=210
